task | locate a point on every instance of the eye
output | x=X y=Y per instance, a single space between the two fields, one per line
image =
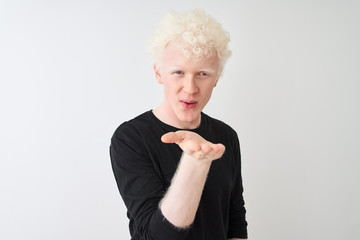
x=203 y=74
x=179 y=72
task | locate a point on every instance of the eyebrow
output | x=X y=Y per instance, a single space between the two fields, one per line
x=175 y=68
x=208 y=70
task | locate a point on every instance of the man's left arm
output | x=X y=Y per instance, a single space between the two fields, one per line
x=237 y=212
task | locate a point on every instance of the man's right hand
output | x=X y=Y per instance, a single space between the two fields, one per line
x=194 y=145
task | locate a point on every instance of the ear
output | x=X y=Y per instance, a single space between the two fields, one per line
x=157 y=74
x=218 y=75
x=216 y=82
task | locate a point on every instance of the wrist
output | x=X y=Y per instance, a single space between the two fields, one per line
x=193 y=162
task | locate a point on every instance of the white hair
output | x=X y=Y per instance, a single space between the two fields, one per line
x=198 y=34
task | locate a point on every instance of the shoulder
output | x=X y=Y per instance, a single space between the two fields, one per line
x=130 y=133
x=133 y=126
x=144 y=129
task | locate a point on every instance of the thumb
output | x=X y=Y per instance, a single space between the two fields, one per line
x=172 y=137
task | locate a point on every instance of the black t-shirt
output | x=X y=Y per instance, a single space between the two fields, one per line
x=144 y=166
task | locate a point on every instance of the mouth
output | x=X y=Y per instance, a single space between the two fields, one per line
x=188 y=104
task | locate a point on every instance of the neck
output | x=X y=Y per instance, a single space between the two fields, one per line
x=170 y=118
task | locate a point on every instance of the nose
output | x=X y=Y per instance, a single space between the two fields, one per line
x=190 y=86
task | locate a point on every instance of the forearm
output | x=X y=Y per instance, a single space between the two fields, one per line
x=181 y=201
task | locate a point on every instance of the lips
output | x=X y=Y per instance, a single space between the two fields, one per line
x=188 y=104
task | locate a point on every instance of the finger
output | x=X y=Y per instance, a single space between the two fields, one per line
x=220 y=148
x=190 y=146
x=199 y=155
x=169 y=137
x=172 y=137
x=206 y=148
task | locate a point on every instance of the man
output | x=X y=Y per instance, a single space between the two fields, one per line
x=177 y=169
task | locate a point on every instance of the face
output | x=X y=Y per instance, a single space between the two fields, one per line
x=188 y=86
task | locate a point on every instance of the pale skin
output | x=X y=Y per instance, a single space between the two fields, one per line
x=187 y=89
x=180 y=203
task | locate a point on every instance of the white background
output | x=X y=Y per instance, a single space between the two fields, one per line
x=72 y=71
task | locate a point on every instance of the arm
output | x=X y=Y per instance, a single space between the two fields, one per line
x=181 y=201
x=141 y=185
x=237 y=218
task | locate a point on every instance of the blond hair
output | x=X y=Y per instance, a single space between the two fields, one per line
x=198 y=34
